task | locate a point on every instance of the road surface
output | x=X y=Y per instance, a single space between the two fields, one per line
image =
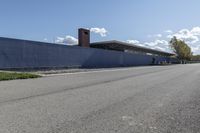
x=158 y=99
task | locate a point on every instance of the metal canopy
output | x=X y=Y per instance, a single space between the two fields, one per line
x=122 y=46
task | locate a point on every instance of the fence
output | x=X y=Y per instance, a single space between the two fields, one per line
x=17 y=54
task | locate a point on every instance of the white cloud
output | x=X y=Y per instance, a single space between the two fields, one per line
x=169 y=31
x=101 y=31
x=69 y=40
x=189 y=36
x=196 y=31
x=196 y=49
x=159 y=44
x=135 y=42
x=155 y=36
x=156 y=42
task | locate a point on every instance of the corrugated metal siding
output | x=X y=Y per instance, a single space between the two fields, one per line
x=29 y=54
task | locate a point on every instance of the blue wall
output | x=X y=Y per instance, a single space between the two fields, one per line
x=16 y=53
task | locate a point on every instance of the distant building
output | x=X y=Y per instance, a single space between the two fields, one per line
x=25 y=54
x=84 y=41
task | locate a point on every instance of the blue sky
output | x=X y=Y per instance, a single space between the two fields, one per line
x=148 y=23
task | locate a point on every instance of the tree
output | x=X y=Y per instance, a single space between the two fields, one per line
x=182 y=50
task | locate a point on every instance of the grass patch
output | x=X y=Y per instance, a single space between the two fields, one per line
x=14 y=75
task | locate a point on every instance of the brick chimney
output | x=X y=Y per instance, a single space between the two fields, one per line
x=83 y=37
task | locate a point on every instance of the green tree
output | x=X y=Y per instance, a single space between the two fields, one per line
x=182 y=50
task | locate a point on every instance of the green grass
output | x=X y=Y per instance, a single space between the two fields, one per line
x=14 y=75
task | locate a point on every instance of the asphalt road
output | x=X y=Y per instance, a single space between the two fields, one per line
x=159 y=99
